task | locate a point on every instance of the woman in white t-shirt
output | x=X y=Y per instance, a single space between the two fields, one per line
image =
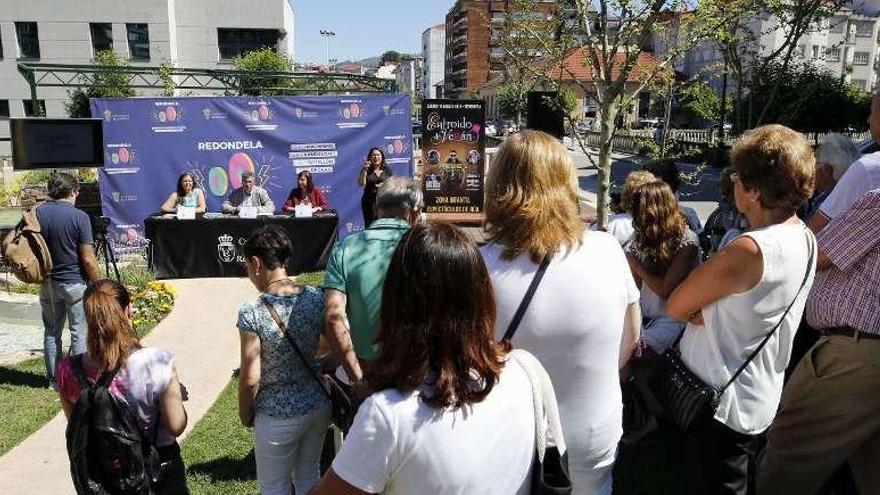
x=734 y=300
x=451 y=414
x=583 y=321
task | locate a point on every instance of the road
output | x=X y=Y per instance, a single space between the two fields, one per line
x=699 y=188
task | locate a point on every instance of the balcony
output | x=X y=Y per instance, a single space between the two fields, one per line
x=459 y=23
x=458 y=39
x=460 y=55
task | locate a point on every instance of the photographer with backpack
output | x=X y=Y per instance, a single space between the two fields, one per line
x=124 y=403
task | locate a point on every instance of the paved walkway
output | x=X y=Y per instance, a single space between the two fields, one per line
x=201 y=333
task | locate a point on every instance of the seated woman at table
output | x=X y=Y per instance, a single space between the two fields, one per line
x=306 y=192
x=187 y=194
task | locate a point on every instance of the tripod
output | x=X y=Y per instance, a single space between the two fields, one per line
x=102 y=245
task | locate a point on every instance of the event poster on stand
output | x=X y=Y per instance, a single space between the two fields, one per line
x=149 y=142
x=453 y=151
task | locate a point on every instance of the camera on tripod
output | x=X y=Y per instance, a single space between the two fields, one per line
x=100 y=226
x=100 y=229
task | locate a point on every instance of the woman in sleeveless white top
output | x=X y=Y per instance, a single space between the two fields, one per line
x=736 y=298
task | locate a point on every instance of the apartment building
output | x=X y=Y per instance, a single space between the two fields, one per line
x=409 y=76
x=186 y=33
x=848 y=44
x=433 y=59
x=473 y=57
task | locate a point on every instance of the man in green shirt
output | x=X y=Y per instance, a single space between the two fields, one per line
x=356 y=271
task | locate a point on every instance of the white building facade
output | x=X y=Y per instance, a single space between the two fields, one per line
x=409 y=76
x=206 y=34
x=433 y=59
x=848 y=44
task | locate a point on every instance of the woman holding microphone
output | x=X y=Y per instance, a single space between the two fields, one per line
x=373 y=173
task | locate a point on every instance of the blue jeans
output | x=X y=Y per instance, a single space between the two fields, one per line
x=60 y=302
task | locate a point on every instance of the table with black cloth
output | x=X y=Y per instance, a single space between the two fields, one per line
x=211 y=247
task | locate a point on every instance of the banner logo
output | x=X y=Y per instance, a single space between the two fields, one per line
x=225 y=248
x=353 y=111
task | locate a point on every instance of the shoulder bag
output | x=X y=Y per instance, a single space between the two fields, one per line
x=686 y=399
x=343 y=406
x=550 y=468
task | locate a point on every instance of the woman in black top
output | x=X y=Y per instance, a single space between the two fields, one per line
x=374 y=172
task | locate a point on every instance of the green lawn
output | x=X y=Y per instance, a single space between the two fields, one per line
x=219 y=452
x=25 y=402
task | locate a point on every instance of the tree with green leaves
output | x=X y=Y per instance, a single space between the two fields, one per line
x=267 y=67
x=511 y=99
x=109 y=83
x=390 y=56
x=747 y=59
x=608 y=36
x=808 y=98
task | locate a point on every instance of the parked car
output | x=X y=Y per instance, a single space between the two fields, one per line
x=490 y=129
x=417 y=127
x=582 y=127
x=650 y=123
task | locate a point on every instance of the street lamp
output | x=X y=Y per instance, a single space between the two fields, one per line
x=327 y=35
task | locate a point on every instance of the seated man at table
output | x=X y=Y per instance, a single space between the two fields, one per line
x=248 y=194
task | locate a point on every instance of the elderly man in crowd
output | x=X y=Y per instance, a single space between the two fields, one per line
x=836 y=153
x=861 y=177
x=829 y=412
x=249 y=194
x=356 y=271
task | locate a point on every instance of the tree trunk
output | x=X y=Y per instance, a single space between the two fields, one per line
x=606 y=136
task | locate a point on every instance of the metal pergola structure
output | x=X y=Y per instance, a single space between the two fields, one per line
x=228 y=81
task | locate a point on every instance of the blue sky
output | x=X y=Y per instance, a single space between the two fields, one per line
x=364 y=28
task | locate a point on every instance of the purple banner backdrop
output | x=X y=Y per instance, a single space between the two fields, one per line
x=149 y=142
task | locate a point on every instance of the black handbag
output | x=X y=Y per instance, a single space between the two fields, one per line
x=687 y=400
x=550 y=475
x=343 y=406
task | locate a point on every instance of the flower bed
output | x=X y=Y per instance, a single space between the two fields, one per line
x=151 y=304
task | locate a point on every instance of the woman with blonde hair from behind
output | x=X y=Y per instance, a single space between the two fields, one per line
x=583 y=320
x=145 y=378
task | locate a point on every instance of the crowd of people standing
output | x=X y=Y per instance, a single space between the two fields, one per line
x=443 y=338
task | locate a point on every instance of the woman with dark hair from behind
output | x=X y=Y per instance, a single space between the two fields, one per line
x=306 y=192
x=373 y=173
x=662 y=254
x=187 y=194
x=147 y=378
x=452 y=411
x=277 y=393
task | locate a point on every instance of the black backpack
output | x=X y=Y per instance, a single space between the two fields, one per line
x=109 y=454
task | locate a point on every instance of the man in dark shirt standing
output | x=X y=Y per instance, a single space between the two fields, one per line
x=68 y=234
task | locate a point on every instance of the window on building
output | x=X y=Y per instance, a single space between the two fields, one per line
x=138 y=41
x=815 y=51
x=837 y=25
x=237 y=42
x=860 y=83
x=29 y=108
x=833 y=54
x=860 y=58
x=28 y=39
x=102 y=36
x=801 y=51
x=1 y=44
x=864 y=29
x=4 y=109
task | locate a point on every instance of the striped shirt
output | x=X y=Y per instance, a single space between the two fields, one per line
x=848 y=293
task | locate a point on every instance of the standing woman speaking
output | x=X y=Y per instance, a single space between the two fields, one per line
x=374 y=172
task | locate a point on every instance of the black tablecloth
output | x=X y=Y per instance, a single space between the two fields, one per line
x=211 y=247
